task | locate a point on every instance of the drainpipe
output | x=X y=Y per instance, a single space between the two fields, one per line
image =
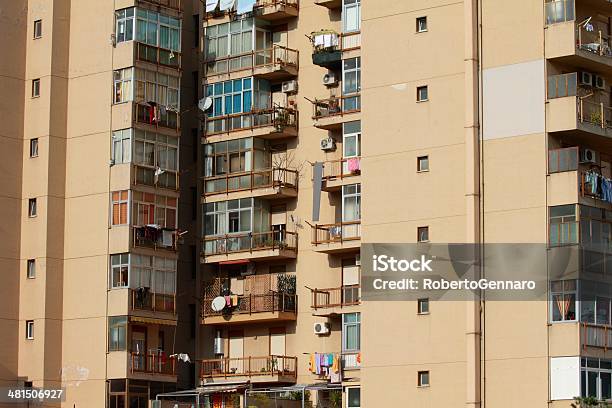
x=472 y=197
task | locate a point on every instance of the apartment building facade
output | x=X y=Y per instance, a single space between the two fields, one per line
x=185 y=178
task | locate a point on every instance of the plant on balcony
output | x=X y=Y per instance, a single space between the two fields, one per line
x=335 y=399
x=595 y=117
x=589 y=402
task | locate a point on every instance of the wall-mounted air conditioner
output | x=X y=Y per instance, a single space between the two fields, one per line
x=328 y=144
x=321 y=328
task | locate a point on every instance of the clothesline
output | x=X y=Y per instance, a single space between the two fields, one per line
x=600 y=186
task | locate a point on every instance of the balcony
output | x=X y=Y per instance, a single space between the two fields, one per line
x=329 y=47
x=170 y=4
x=276 y=10
x=153 y=116
x=270 y=124
x=329 y=114
x=156 y=55
x=337 y=238
x=266 y=183
x=152 y=364
x=254 y=246
x=330 y=4
x=270 y=307
x=335 y=301
x=156 y=177
x=272 y=64
x=155 y=237
x=144 y=300
x=577 y=43
x=280 y=369
x=337 y=173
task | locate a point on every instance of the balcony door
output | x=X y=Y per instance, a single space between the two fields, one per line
x=236 y=352
x=351 y=210
x=351 y=146
x=139 y=346
x=350 y=281
x=263 y=47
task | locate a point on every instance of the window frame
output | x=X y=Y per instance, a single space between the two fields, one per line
x=119 y=139
x=37 y=29
x=346 y=6
x=123 y=86
x=34 y=145
x=31 y=268
x=419 y=90
x=36 y=88
x=420 y=309
x=420 y=231
x=32 y=207
x=119 y=202
x=348 y=195
x=118 y=325
x=420 y=27
x=29 y=334
x=564 y=293
x=420 y=161
x=347 y=324
x=421 y=376
x=120 y=266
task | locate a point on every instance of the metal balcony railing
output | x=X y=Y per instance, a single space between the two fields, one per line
x=336 y=106
x=152 y=363
x=346 y=295
x=150 y=236
x=249 y=367
x=277 y=57
x=154 y=302
x=336 y=233
x=341 y=168
x=251 y=180
x=278 y=117
x=250 y=242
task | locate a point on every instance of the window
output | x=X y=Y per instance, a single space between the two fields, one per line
x=226 y=39
x=423 y=234
x=596 y=378
x=36 y=88
x=32 y=210
x=423 y=306
x=34 y=147
x=29 y=329
x=565 y=159
x=123 y=85
x=155 y=150
x=422 y=163
x=122 y=146
x=117 y=333
x=351 y=202
x=31 y=271
x=196 y=30
x=353 y=397
x=563 y=300
x=232 y=216
x=423 y=379
x=351 y=15
x=152 y=28
x=120 y=207
x=351 y=83
x=351 y=332
x=421 y=24
x=120 y=266
x=156 y=87
x=149 y=208
x=37 y=29
x=351 y=143
x=422 y=94
x=125 y=25
x=563 y=225
x=154 y=272
x=560 y=86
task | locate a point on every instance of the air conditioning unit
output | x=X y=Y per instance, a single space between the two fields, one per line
x=328 y=144
x=588 y=156
x=586 y=79
x=289 y=86
x=329 y=79
x=321 y=328
x=599 y=82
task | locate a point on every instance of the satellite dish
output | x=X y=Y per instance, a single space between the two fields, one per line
x=218 y=303
x=205 y=103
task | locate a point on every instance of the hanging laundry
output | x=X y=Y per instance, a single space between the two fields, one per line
x=226 y=5
x=353 y=164
x=245 y=6
x=211 y=5
x=312 y=363
x=335 y=368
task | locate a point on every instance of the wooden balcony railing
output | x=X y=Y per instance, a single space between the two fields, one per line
x=336 y=233
x=171 y=4
x=249 y=367
x=276 y=57
x=336 y=106
x=152 y=363
x=157 y=238
x=156 y=55
x=155 y=116
x=145 y=175
x=277 y=116
x=595 y=113
x=252 y=304
x=250 y=180
x=250 y=242
x=142 y=299
x=341 y=168
x=596 y=335
x=348 y=295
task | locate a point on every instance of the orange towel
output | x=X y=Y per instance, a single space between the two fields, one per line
x=312 y=364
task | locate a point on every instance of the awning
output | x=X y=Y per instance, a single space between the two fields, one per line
x=151 y=320
x=215 y=389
